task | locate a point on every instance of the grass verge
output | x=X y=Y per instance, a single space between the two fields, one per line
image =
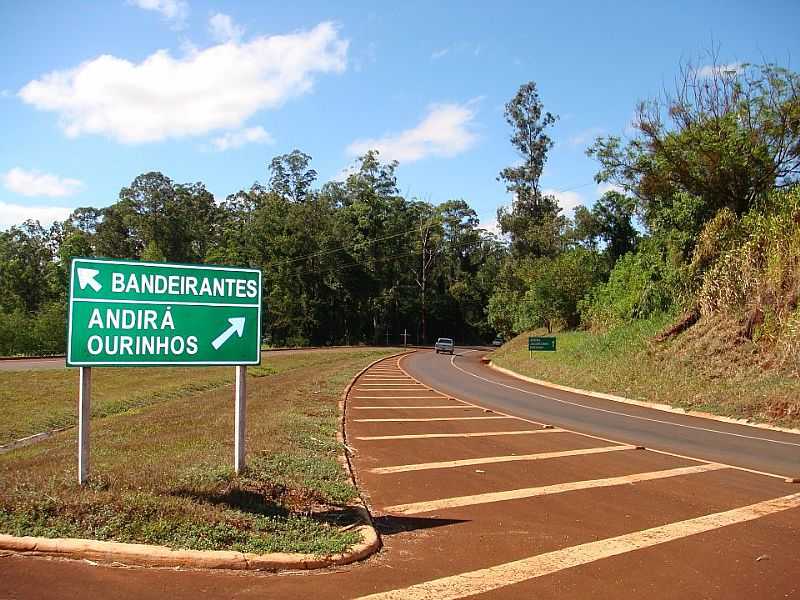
x=37 y=401
x=161 y=474
x=698 y=370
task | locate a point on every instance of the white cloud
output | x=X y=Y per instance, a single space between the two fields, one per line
x=443 y=132
x=236 y=139
x=606 y=187
x=492 y=226
x=711 y=70
x=164 y=97
x=459 y=48
x=16 y=214
x=174 y=11
x=223 y=29
x=585 y=137
x=568 y=200
x=36 y=183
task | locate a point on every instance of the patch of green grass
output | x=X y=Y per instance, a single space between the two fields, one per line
x=37 y=401
x=162 y=473
x=701 y=369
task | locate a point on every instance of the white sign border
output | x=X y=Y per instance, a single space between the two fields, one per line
x=115 y=261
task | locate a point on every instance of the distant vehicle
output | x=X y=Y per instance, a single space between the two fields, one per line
x=444 y=345
x=498 y=341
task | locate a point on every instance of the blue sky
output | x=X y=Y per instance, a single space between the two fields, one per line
x=93 y=94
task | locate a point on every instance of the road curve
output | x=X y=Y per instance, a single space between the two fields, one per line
x=465 y=377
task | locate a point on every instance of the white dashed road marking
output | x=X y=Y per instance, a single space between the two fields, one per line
x=499 y=576
x=558 y=488
x=425 y=420
x=448 y=464
x=410 y=407
x=417 y=436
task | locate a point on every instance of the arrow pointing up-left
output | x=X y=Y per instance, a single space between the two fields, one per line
x=87 y=277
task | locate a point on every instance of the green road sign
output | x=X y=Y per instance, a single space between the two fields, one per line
x=546 y=344
x=124 y=312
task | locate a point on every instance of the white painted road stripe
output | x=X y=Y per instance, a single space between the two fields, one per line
x=458 y=435
x=461 y=406
x=448 y=464
x=622 y=414
x=399 y=397
x=499 y=576
x=421 y=419
x=558 y=488
x=379 y=385
x=363 y=389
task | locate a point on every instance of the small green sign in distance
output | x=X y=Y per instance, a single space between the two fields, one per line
x=544 y=344
x=124 y=312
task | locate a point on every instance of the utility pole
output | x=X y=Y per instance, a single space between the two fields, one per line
x=405 y=338
x=387 y=336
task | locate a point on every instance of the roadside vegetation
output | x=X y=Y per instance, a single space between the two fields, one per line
x=40 y=401
x=698 y=230
x=682 y=283
x=698 y=371
x=162 y=474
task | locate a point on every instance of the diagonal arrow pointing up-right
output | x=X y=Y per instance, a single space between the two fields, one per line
x=237 y=327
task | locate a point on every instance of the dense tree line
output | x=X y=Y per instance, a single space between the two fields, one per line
x=348 y=262
x=354 y=261
x=709 y=179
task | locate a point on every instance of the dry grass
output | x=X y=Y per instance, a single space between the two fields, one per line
x=708 y=368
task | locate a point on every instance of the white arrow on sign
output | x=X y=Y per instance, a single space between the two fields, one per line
x=87 y=277
x=237 y=327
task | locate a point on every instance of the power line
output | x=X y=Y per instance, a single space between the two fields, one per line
x=365 y=242
x=480 y=240
x=370 y=241
x=577 y=187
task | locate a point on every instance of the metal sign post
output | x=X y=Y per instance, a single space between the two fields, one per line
x=132 y=313
x=84 y=414
x=240 y=418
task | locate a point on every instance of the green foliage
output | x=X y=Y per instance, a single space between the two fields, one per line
x=641 y=284
x=40 y=333
x=533 y=223
x=344 y=264
x=555 y=288
x=610 y=221
x=546 y=292
x=757 y=273
x=723 y=140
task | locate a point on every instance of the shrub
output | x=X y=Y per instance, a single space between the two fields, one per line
x=641 y=284
x=759 y=276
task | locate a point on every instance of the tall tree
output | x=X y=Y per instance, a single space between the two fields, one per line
x=291 y=176
x=609 y=221
x=533 y=222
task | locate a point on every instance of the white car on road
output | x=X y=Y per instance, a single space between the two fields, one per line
x=444 y=345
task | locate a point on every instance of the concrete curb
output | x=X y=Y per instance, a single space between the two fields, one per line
x=642 y=403
x=344 y=457
x=31 y=439
x=146 y=555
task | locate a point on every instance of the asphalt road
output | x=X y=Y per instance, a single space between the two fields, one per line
x=464 y=376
